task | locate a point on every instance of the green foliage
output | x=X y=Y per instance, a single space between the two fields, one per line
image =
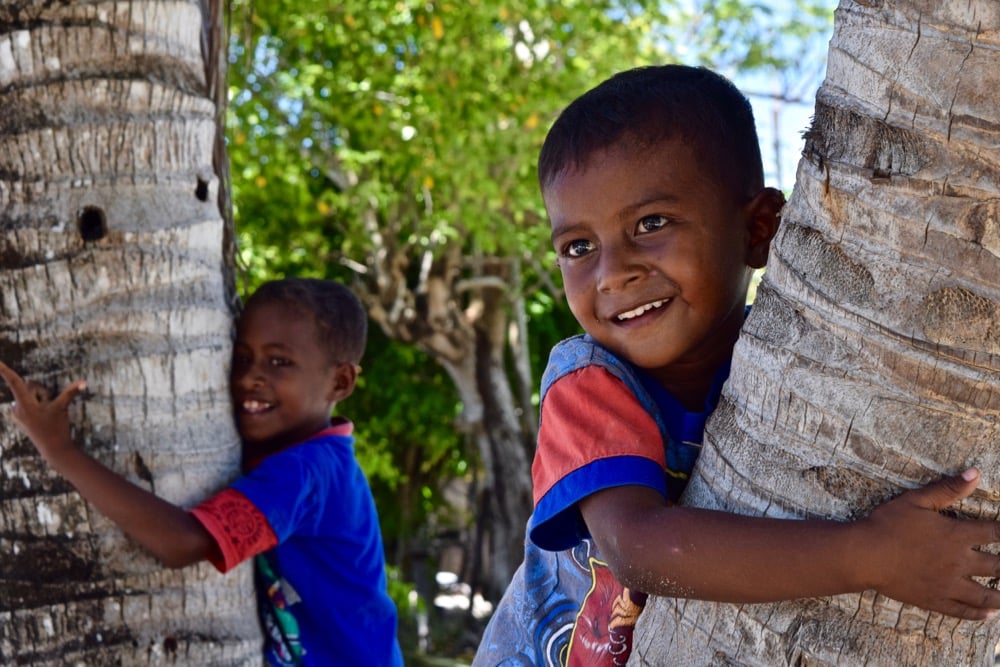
x=433 y=113
x=407 y=442
x=429 y=115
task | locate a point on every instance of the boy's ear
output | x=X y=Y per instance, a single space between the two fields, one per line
x=342 y=380
x=763 y=216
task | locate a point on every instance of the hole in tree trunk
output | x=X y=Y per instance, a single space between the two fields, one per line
x=92 y=223
x=201 y=190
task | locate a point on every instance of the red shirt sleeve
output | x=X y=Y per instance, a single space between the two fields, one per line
x=239 y=529
x=589 y=415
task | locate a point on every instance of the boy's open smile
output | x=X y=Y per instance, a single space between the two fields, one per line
x=256 y=407
x=641 y=310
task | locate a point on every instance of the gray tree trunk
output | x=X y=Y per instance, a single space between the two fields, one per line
x=113 y=269
x=871 y=360
x=463 y=323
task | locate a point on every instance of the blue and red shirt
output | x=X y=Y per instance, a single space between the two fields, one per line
x=603 y=423
x=307 y=516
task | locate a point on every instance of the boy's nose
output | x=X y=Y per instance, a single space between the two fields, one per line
x=249 y=376
x=617 y=268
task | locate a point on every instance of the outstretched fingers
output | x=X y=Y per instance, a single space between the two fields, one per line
x=974 y=602
x=13 y=380
x=45 y=420
x=67 y=395
x=985 y=564
x=34 y=409
x=29 y=390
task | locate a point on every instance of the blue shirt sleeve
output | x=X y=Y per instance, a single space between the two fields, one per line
x=288 y=490
x=557 y=523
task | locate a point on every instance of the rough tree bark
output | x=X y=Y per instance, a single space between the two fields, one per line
x=871 y=361
x=113 y=268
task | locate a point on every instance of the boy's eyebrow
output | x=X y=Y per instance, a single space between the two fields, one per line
x=268 y=347
x=656 y=198
x=559 y=229
x=626 y=211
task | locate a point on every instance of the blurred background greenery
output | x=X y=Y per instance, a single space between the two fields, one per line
x=391 y=144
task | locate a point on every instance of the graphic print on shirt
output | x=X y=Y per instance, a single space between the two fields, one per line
x=275 y=597
x=606 y=623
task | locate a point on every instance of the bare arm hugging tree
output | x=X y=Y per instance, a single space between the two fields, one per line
x=871 y=360
x=113 y=269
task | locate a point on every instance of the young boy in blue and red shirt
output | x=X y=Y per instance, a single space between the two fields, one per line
x=302 y=507
x=654 y=188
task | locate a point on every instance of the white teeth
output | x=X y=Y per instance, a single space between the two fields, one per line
x=254 y=407
x=628 y=315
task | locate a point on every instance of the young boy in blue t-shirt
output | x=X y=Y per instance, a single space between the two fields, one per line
x=302 y=507
x=653 y=183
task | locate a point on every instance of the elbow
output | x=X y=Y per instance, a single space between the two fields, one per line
x=628 y=576
x=181 y=555
x=176 y=561
x=637 y=578
x=627 y=566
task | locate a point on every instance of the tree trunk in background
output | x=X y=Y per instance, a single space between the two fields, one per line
x=871 y=362
x=113 y=268
x=463 y=324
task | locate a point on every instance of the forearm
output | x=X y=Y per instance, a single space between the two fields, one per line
x=707 y=555
x=905 y=549
x=168 y=532
x=172 y=535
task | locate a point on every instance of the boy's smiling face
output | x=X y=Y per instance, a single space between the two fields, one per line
x=283 y=383
x=656 y=258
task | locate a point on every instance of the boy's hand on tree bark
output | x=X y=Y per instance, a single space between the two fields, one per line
x=922 y=557
x=43 y=419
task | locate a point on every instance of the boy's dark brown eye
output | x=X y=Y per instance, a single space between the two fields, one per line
x=578 y=248
x=651 y=223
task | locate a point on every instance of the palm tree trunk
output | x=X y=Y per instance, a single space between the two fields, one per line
x=871 y=361
x=113 y=269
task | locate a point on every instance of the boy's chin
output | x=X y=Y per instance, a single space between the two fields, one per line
x=267 y=442
x=256 y=448
x=258 y=439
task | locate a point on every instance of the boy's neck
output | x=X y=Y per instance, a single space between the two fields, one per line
x=254 y=453
x=691 y=382
x=692 y=394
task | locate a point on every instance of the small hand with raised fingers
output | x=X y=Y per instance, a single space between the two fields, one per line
x=925 y=558
x=43 y=419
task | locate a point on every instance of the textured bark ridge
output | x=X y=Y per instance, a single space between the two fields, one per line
x=871 y=360
x=112 y=269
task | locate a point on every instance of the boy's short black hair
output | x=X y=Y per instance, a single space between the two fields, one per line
x=647 y=105
x=340 y=318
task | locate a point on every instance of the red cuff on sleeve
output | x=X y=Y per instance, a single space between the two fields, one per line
x=237 y=526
